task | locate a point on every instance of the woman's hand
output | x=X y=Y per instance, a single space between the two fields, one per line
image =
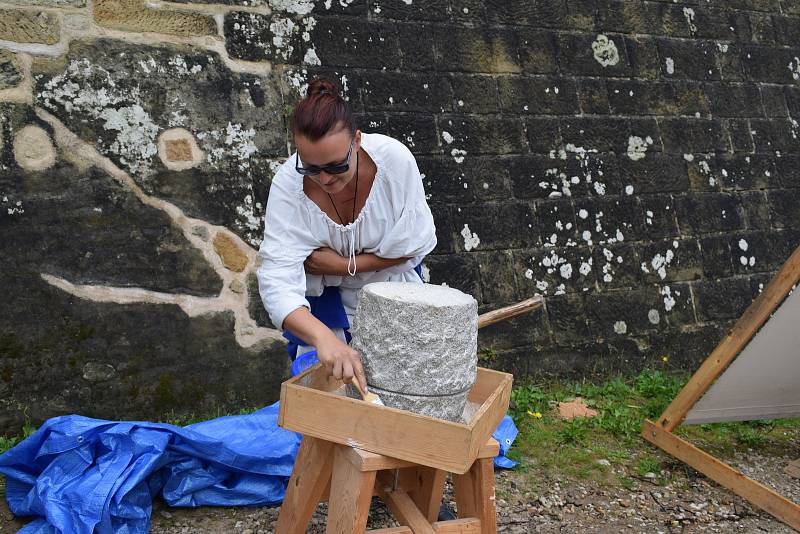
x=325 y=261
x=341 y=361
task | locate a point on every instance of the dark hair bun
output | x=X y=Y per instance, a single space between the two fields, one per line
x=322 y=86
x=322 y=111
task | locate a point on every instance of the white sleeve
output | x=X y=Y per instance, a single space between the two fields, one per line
x=287 y=243
x=413 y=234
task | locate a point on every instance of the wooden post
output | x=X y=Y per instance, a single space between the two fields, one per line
x=310 y=476
x=427 y=491
x=348 y=506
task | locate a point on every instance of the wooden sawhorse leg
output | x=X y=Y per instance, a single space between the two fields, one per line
x=475 y=494
x=349 y=478
x=310 y=476
x=350 y=497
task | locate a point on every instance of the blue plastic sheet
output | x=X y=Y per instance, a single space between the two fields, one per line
x=82 y=475
x=505 y=435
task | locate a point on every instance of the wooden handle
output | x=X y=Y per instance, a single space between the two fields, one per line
x=368 y=397
x=501 y=314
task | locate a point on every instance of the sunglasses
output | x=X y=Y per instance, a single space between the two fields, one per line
x=336 y=168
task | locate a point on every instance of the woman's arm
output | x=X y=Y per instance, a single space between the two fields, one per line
x=342 y=361
x=328 y=261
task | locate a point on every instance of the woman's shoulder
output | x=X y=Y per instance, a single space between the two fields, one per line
x=387 y=149
x=285 y=178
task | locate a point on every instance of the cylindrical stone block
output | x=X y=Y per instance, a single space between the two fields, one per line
x=418 y=345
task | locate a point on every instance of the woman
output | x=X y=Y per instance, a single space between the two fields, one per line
x=348 y=208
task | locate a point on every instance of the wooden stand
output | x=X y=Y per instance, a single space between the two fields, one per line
x=348 y=478
x=410 y=456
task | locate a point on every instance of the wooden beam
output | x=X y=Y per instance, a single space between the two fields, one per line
x=348 y=507
x=402 y=506
x=743 y=331
x=469 y=525
x=310 y=476
x=501 y=314
x=724 y=475
x=371 y=461
x=393 y=530
x=427 y=490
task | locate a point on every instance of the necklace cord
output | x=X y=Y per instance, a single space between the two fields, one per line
x=355 y=199
x=351 y=256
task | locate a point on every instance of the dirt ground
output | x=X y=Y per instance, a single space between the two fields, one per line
x=675 y=501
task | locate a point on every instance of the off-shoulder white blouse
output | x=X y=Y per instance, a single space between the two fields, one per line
x=395 y=222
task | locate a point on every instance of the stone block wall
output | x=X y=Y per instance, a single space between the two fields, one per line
x=636 y=162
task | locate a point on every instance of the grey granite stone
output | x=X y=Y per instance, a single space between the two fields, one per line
x=418 y=344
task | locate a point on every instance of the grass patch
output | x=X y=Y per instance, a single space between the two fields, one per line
x=8 y=442
x=608 y=447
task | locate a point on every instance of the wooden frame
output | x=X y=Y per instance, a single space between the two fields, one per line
x=661 y=433
x=350 y=445
x=412 y=492
x=310 y=406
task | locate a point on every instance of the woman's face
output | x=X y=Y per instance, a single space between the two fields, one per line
x=331 y=149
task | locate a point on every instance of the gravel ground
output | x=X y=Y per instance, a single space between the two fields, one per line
x=688 y=503
x=680 y=501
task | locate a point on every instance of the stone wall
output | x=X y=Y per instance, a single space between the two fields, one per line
x=634 y=161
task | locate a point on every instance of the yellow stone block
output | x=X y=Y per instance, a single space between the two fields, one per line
x=232 y=256
x=27 y=26
x=133 y=16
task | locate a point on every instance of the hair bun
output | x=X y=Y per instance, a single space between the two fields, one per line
x=322 y=86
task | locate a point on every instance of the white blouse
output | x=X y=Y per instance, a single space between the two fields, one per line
x=395 y=222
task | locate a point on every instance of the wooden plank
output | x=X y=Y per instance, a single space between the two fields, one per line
x=489 y=416
x=724 y=475
x=427 y=490
x=393 y=530
x=310 y=475
x=370 y=461
x=483 y=480
x=488 y=383
x=395 y=433
x=495 y=316
x=402 y=506
x=348 y=507
x=745 y=328
x=460 y=526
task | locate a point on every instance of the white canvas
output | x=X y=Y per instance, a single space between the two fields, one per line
x=763 y=382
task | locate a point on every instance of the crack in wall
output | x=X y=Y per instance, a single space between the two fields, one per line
x=234 y=295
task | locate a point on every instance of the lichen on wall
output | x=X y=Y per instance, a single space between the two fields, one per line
x=637 y=168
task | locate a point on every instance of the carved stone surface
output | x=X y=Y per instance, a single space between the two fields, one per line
x=418 y=343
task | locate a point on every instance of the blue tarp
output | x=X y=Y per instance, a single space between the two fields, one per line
x=81 y=475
